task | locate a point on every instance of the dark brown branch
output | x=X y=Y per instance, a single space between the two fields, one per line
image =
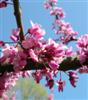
x=17 y=13
x=66 y=65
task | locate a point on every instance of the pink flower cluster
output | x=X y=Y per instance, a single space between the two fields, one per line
x=60 y=26
x=60 y=83
x=65 y=29
x=82 y=44
x=15 y=34
x=48 y=53
x=7 y=81
x=48 y=4
x=58 y=12
x=83 y=69
x=33 y=48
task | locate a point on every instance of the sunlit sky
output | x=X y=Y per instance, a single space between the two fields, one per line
x=76 y=14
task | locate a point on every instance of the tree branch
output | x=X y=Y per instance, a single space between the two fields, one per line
x=66 y=65
x=17 y=13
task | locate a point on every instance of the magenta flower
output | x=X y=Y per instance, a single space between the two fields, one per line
x=31 y=42
x=50 y=83
x=52 y=50
x=57 y=12
x=47 y=5
x=9 y=51
x=36 y=31
x=82 y=44
x=69 y=52
x=19 y=61
x=50 y=3
x=60 y=85
x=33 y=55
x=37 y=76
x=15 y=34
x=7 y=81
x=53 y=65
x=26 y=44
x=83 y=41
x=84 y=69
x=64 y=28
x=73 y=78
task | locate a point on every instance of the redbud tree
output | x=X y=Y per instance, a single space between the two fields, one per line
x=30 y=55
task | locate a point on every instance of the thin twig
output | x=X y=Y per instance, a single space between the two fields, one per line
x=17 y=13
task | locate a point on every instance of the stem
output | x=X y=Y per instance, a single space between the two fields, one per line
x=17 y=13
x=60 y=75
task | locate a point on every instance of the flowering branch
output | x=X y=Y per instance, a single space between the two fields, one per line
x=17 y=13
x=65 y=65
x=47 y=58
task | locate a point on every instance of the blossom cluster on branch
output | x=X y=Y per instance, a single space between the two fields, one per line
x=45 y=56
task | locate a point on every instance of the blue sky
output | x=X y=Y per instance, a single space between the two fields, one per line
x=76 y=14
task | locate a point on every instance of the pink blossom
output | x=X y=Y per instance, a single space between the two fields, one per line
x=52 y=50
x=22 y=63
x=7 y=81
x=60 y=85
x=50 y=3
x=64 y=28
x=9 y=51
x=15 y=34
x=26 y=74
x=37 y=76
x=83 y=41
x=47 y=5
x=31 y=42
x=83 y=69
x=2 y=59
x=48 y=74
x=33 y=55
x=14 y=38
x=73 y=78
x=36 y=31
x=69 y=52
x=82 y=44
x=53 y=65
x=26 y=44
x=57 y=11
x=82 y=56
x=50 y=83
x=19 y=61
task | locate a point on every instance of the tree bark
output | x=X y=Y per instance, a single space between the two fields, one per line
x=66 y=65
